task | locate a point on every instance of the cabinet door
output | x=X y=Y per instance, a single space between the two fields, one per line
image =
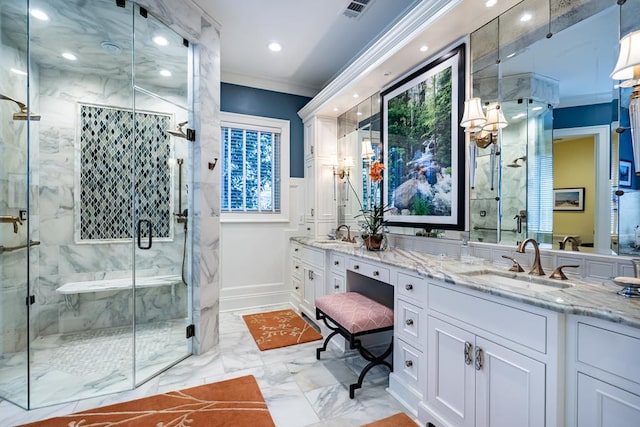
x=308 y=291
x=451 y=381
x=336 y=284
x=310 y=193
x=309 y=139
x=510 y=387
x=603 y=405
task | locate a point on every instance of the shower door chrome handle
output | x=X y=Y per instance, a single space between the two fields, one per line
x=149 y=231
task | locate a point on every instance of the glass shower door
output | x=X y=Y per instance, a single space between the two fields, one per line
x=14 y=252
x=162 y=173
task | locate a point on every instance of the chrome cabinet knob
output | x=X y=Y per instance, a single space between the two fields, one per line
x=356 y=267
x=408 y=287
x=408 y=363
x=376 y=273
x=409 y=322
x=336 y=262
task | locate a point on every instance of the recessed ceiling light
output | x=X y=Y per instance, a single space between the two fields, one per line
x=160 y=41
x=387 y=74
x=336 y=109
x=165 y=73
x=424 y=48
x=526 y=17
x=490 y=3
x=358 y=113
x=19 y=72
x=69 y=56
x=275 y=47
x=38 y=14
x=355 y=95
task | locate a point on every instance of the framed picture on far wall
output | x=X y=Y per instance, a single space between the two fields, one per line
x=568 y=199
x=624 y=174
x=424 y=145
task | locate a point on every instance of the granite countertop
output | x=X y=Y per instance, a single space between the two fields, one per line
x=593 y=299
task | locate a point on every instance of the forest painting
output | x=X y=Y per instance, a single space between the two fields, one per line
x=424 y=179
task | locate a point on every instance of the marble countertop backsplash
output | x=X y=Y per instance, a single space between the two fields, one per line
x=589 y=298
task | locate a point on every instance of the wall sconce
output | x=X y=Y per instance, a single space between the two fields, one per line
x=341 y=172
x=628 y=69
x=367 y=150
x=484 y=132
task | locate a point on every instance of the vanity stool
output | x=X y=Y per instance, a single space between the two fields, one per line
x=354 y=315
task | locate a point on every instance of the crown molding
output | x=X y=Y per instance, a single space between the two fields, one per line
x=414 y=23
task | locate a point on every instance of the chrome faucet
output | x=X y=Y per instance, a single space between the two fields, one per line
x=537 y=266
x=348 y=238
x=11 y=219
x=567 y=239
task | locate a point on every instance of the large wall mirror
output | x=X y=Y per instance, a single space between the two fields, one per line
x=559 y=167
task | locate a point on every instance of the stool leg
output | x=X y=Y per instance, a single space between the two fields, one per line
x=373 y=361
x=324 y=347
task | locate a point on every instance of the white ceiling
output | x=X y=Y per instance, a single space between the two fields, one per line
x=317 y=39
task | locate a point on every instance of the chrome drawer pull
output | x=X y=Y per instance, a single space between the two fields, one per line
x=478 y=358
x=356 y=267
x=376 y=273
x=336 y=286
x=408 y=363
x=467 y=353
x=409 y=322
x=408 y=287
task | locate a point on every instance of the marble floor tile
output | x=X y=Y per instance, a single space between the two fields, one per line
x=299 y=390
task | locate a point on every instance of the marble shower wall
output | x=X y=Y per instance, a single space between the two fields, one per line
x=63 y=259
x=13 y=186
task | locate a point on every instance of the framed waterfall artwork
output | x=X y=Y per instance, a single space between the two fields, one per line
x=423 y=145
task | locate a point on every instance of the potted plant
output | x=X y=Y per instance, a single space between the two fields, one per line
x=373 y=219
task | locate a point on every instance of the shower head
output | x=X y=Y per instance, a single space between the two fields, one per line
x=178 y=132
x=23 y=114
x=515 y=164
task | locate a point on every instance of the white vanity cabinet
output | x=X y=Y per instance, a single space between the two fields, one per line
x=408 y=380
x=603 y=382
x=320 y=146
x=313 y=279
x=490 y=363
x=296 y=272
x=337 y=271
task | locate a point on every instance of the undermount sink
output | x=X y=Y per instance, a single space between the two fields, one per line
x=519 y=280
x=332 y=242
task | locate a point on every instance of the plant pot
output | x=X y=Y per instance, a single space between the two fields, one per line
x=374 y=242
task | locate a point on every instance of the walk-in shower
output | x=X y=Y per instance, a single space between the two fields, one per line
x=93 y=264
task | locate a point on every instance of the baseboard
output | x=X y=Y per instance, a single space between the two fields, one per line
x=247 y=297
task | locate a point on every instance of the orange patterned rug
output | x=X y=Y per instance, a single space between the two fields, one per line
x=231 y=403
x=398 y=420
x=280 y=328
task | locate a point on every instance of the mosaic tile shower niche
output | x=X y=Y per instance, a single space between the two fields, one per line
x=108 y=164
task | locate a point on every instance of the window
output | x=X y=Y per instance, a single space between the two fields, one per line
x=255 y=168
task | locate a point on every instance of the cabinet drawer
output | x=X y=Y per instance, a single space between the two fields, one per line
x=408 y=364
x=314 y=257
x=369 y=270
x=297 y=287
x=523 y=327
x=411 y=323
x=336 y=261
x=413 y=288
x=296 y=249
x=296 y=268
x=610 y=351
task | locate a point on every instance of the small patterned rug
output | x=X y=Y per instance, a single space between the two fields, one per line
x=236 y=402
x=280 y=328
x=398 y=420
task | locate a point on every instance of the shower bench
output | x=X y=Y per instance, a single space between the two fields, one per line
x=105 y=285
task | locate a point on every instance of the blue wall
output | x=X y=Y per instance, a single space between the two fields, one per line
x=275 y=105
x=584 y=115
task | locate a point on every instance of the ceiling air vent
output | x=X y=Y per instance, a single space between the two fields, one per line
x=355 y=8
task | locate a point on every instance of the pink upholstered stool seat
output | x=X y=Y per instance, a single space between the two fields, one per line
x=355 y=312
x=353 y=315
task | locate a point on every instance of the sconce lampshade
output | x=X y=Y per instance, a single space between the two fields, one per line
x=473 y=118
x=348 y=162
x=495 y=118
x=628 y=65
x=367 y=149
